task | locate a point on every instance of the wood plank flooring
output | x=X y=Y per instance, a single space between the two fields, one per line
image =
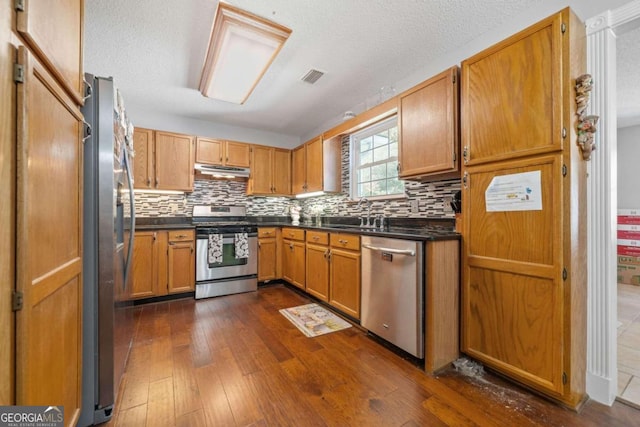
x=236 y=361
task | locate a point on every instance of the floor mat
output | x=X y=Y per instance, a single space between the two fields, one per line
x=313 y=320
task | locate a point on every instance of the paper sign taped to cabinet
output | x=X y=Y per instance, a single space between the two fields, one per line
x=514 y=192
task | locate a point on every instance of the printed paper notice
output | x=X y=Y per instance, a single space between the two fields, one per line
x=515 y=192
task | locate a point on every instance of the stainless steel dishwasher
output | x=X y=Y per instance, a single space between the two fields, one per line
x=392 y=291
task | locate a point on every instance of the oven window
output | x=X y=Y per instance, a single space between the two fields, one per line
x=229 y=254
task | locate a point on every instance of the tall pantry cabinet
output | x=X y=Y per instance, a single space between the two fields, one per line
x=40 y=119
x=524 y=274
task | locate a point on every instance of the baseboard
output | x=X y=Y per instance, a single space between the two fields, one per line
x=602 y=390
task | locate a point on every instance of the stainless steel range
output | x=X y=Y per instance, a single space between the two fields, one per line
x=226 y=251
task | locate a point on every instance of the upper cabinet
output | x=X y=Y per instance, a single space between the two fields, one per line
x=163 y=160
x=54 y=31
x=316 y=166
x=270 y=171
x=222 y=153
x=428 y=128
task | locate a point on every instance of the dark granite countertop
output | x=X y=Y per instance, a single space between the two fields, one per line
x=424 y=229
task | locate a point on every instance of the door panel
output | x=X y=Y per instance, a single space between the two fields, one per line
x=281 y=171
x=261 y=170
x=314 y=165
x=49 y=230
x=143 y=176
x=513 y=322
x=174 y=161
x=54 y=31
x=181 y=275
x=317 y=281
x=512 y=107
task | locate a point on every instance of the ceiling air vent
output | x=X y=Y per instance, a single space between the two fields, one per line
x=312 y=76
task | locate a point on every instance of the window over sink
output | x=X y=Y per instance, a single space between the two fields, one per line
x=374 y=161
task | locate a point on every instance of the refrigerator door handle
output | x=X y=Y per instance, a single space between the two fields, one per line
x=132 y=224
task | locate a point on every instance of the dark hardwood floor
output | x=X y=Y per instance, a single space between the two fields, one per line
x=236 y=361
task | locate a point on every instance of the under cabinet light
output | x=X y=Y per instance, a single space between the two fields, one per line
x=311 y=194
x=241 y=48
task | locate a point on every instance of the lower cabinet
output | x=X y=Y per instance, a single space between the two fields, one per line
x=317 y=264
x=163 y=263
x=267 y=254
x=293 y=257
x=344 y=275
x=181 y=262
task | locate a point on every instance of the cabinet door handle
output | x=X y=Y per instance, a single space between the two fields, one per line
x=291 y=246
x=171 y=243
x=220 y=159
x=344 y=242
x=315 y=238
x=191 y=247
x=259 y=245
x=148 y=182
x=157 y=181
x=154 y=236
x=227 y=159
x=180 y=236
x=465 y=154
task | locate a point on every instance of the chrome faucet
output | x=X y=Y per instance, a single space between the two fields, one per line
x=359 y=206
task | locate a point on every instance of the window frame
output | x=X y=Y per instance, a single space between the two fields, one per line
x=354 y=158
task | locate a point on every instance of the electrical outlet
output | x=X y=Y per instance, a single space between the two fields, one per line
x=414 y=206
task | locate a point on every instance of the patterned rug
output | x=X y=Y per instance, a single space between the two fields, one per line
x=313 y=320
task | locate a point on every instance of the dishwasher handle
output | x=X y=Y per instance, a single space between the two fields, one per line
x=390 y=250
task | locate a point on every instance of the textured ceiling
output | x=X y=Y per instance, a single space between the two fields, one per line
x=155 y=49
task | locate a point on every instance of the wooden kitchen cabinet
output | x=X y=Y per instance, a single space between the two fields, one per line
x=181 y=266
x=270 y=171
x=147 y=268
x=317 y=268
x=293 y=256
x=219 y=152
x=344 y=274
x=316 y=166
x=163 y=160
x=524 y=275
x=267 y=254
x=428 y=128
x=163 y=263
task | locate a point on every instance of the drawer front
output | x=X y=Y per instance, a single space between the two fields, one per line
x=345 y=241
x=318 y=237
x=264 y=232
x=181 y=235
x=293 y=234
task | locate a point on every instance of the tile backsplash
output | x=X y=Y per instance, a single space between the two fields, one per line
x=432 y=199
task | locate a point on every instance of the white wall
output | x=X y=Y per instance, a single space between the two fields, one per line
x=628 y=167
x=153 y=120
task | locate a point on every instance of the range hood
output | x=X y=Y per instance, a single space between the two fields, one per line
x=222 y=171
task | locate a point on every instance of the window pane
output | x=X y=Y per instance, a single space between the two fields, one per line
x=364 y=174
x=365 y=144
x=365 y=189
x=392 y=169
x=366 y=157
x=381 y=139
x=379 y=171
x=395 y=186
x=379 y=188
x=381 y=153
x=393 y=134
x=393 y=149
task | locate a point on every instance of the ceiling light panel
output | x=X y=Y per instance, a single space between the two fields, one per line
x=241 y=48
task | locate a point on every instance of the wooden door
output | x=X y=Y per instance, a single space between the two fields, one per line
x=54 y=31
x=267 y=261
x=511 y=96
x=344 y=293
x=7 y=207
x=209 y=151
x=181 y=267
x=237 y=154
x=144 y=274
x=293 y=263
x=513 y=276
x=298 y=168
x=174 y=160
x=317 y=281
x=261 y=170
x=281 y=171
x=429 y=127
x=49 y=243
x=314 y=165
x=143 y=162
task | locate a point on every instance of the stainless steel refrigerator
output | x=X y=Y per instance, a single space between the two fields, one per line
x=109 y=215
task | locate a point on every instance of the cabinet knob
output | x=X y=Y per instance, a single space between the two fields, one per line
x=259 y=245
x=465 y=154
x=148 y=182
x=315 y=238
x=157 y=181
x=291 y=246
x=154 y=237
x=344 y=242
